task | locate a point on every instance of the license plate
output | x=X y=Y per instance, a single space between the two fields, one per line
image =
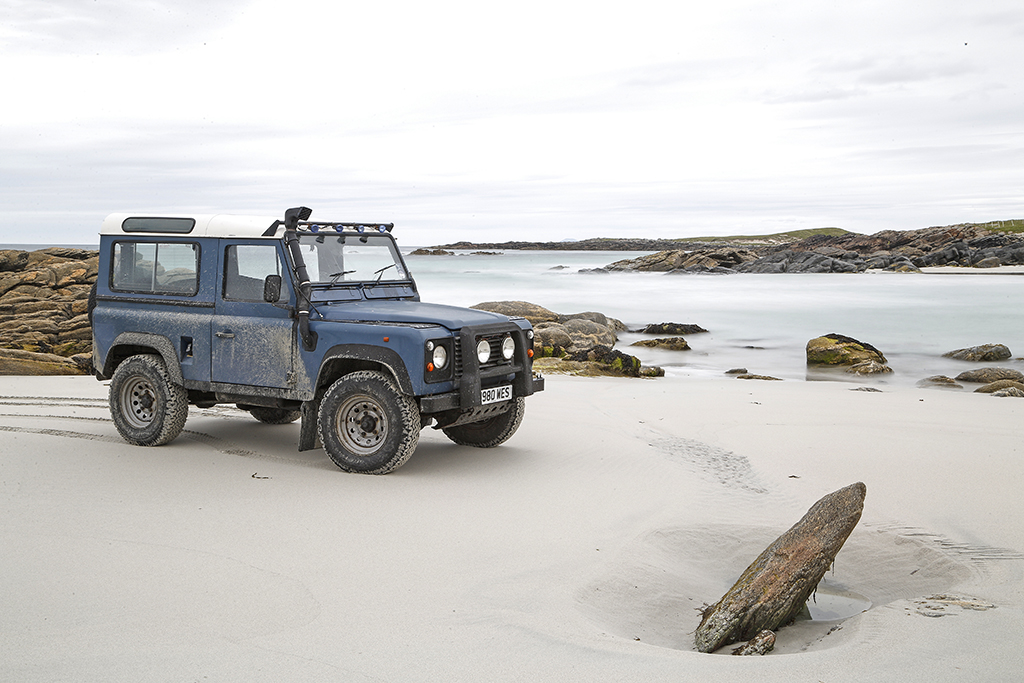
x=495 y=394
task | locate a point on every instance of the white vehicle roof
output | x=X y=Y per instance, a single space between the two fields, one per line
x=179 y=225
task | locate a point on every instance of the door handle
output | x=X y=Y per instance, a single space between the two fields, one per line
x=226 y=334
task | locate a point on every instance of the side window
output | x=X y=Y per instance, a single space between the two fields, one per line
x=155 y=268
x=246 y=266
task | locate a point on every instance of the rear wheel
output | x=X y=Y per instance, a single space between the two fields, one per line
x=148 y=408
x=491 y=432
x=367 y=425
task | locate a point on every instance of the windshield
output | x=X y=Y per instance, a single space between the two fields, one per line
x=351 y=258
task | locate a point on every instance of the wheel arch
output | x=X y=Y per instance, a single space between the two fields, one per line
x=343 y=359
x=128 y=344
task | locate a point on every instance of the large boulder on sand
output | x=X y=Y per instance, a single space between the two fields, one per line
x=984 y=353
x=532 y=312
x=838 y=349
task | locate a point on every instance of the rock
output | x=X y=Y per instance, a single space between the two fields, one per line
x=679 y=260
x=999 y=385
x=671 y=328
x=983 y=353
x=939 y=381
x=586 y=334
x=761 y=644
x=987 y=375
x=43 y=307
x=593 y=316
x=13 y=259
x=551 y=334
x=431 y=252
x=651 y=371
x=764 y=377
x=668 y=343
x=736 y=371
x=1010 y=391
x=990 y=262
x=18 y=362
x=870 y=390
x=532 y=312
x=601 y=361
x=775 y=587
x=616 y=362
x=837 y=349
x=869 y=367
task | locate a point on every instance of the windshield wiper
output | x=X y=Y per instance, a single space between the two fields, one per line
x=334 y=276
x=380 y=273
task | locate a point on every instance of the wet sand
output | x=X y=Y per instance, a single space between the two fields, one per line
x=579 y=550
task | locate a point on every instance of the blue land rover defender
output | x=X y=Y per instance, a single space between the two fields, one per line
x=290 y=319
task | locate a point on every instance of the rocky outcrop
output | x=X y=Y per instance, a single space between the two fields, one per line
x=44 y=309
x=423 y=251
x=532 y=312
x=724 y=260
x=774 y=588
x=671 y=328
x=983 y=353
x=904 y=251
x=838 y=349
x=999 y=385
x=989 y=375
x=940 y=381
x=869 y=367
x=667 y=343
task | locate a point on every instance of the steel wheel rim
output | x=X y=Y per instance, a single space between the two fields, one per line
x=362 y=425
x=138 y=402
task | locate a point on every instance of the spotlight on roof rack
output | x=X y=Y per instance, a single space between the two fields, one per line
x=314 y=228
x=382 y=228
x=360 y=228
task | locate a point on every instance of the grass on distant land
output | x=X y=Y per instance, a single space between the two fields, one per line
x=790 y=236
x=1014 y=225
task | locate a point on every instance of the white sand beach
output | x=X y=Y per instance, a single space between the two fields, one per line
x=578 y=551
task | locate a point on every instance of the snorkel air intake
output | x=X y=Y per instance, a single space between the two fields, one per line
x=291 y=239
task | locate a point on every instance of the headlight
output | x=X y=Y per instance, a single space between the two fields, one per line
x=508 y=347
x=483 y=351
x=440 y=356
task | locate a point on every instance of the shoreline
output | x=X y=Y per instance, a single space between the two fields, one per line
x=578 y=550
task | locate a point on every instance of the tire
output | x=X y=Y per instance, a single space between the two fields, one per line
x=148 y=408
x=491 y=432
x=367 y=425
x=274 y=416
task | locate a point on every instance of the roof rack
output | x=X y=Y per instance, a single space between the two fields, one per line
x=314 y=227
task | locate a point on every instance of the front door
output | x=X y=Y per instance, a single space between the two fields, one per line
x=252 y=342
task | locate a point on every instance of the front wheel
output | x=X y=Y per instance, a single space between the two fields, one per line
x=367 y=425
x=491 y=432
x=148 y=408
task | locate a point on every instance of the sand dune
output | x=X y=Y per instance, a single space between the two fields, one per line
x=579 y=550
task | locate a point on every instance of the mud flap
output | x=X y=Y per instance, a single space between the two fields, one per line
x=309 y=437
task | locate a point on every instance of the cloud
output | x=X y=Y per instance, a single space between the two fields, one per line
x=109 y=26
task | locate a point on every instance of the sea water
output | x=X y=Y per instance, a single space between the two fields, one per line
x=758 y=322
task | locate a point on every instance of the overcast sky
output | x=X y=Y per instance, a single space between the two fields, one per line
x=529 y=120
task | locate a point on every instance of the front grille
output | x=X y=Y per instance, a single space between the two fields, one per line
x=496 y=359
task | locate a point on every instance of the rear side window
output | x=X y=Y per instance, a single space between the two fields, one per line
x=155 y=268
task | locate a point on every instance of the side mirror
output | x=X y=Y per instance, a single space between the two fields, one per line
x=272 y=289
